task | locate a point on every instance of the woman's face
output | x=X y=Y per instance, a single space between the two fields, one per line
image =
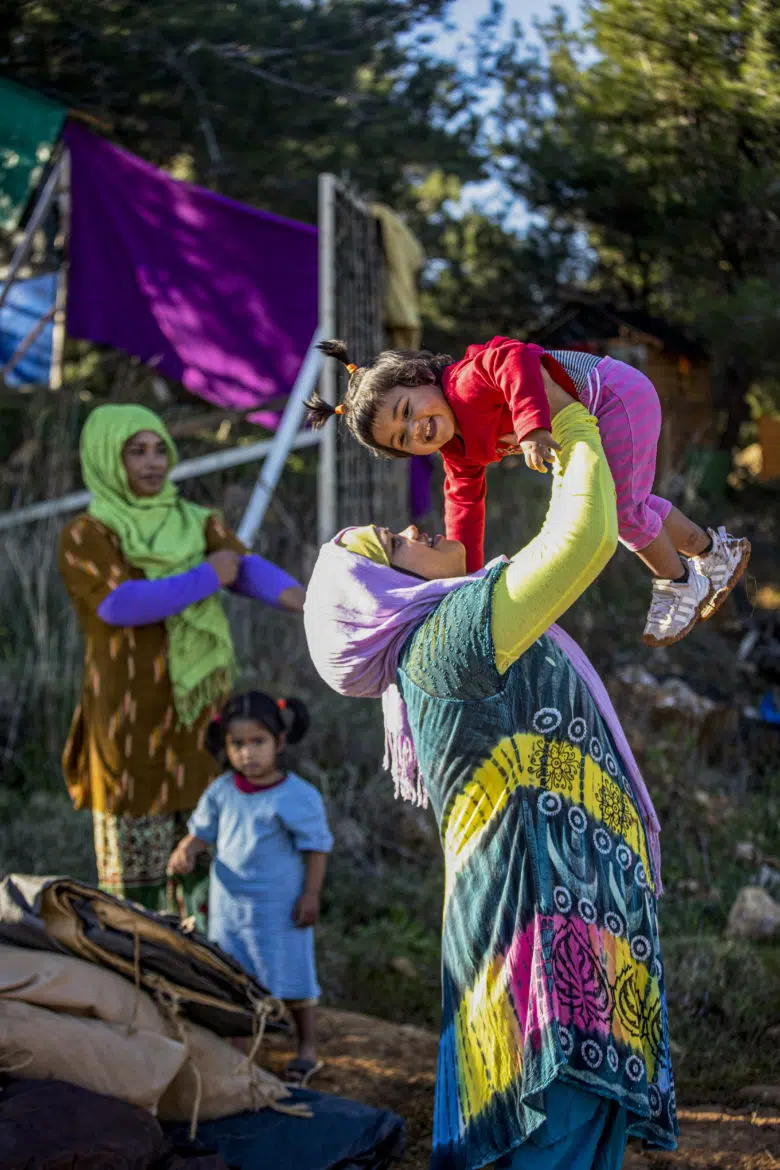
x=145 y=457
x=433 y=558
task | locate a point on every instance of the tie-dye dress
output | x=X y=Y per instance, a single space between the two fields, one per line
x=551 y=964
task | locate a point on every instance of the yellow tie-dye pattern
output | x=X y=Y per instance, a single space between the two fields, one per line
x=637 y=1008
x=489 y=1044
x=488 y=1041
x=512 y=764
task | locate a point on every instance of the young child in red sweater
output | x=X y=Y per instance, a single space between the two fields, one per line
x=493 y=403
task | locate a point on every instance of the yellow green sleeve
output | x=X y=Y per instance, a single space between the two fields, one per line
x=577 y=539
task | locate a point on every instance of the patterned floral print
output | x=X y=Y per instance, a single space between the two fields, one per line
x=550 y=950
x=132 y=858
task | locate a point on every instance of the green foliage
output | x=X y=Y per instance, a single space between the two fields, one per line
x=656 y=130
x=723 y=996
x=255 y=99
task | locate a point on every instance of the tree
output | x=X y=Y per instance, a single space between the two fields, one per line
x=258 y=96
x=656 y=131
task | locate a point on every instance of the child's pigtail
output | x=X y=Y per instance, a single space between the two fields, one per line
x=214 y=739
x=317 y=409
x=298 y=719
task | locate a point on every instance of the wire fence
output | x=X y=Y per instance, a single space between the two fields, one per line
x=368 y=489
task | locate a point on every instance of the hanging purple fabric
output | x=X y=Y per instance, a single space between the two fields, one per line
x=212 y=293
x=420 y=475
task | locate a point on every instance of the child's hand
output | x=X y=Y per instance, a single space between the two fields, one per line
x=182 y=860
x=539 y=448
x=306 y=910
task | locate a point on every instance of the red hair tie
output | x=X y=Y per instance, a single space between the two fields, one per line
x=339 y=409
x=281 y=704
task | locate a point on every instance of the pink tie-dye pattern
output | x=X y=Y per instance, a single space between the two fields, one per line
x=582 y=961
x=527 y=982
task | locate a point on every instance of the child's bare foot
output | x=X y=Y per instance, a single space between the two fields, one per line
x=724 y=563
x=676 y=607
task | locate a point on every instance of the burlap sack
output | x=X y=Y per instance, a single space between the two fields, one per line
x=209 y=1079
x=228 y=1083
x=107 y=1058
x=65 y=984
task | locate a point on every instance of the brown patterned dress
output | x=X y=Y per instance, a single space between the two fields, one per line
x=127 y=757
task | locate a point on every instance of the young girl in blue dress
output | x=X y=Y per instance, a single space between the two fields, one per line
x=271 y=839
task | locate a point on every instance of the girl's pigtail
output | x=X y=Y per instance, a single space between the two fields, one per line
x=214 y=739
x=335 y=349
x=299 y=725
x=318 y=410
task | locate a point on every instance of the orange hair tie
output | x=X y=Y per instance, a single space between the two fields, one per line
x=281 y=704
x=339 y=409
x=351 y=367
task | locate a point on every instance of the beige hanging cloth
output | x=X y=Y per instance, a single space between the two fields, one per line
x=404 y=259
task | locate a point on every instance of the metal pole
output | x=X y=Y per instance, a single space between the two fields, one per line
x=25 y=344
x=43 y=204
x=202 y=465
x=327 y=500
x=285 y=436
x=58 y=332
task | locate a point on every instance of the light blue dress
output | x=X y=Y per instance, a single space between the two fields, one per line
x=258 y=874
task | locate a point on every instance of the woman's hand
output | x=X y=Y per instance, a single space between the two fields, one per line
x=292 y=599
x=226 y=564
x=306 y=911
x=182 y=860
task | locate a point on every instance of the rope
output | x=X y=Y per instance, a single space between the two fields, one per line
x=11 y=1068
x=170 y=1005
x=136 y=979
x=260 y=1013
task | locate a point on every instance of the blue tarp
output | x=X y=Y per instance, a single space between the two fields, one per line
x=26 y=303
x=341 y=1135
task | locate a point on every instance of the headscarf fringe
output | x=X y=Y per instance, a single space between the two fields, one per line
x=208 y=691
x=400 y=757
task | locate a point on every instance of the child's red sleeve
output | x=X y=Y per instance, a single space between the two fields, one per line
x=464 y=510
x=516 y=370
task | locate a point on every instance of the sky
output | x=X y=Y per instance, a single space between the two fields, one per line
x=464 y=15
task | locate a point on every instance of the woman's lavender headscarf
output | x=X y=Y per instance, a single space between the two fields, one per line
x=357 y=617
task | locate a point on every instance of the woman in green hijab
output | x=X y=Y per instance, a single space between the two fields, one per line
x=144 y=569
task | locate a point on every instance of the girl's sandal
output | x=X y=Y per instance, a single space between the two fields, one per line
x=299 y=1072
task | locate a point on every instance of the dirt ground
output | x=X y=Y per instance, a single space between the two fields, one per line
x=393 y=1066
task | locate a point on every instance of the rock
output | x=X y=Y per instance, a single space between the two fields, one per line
x=754 y=915
x=772 y=1035
x=748 y=852
x=769 y=878
x=403 y=966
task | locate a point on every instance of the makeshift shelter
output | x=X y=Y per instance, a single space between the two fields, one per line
x=678 y=366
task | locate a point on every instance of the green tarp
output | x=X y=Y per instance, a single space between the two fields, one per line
x=29 y=127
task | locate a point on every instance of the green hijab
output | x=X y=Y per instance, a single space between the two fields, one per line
x=162 y=535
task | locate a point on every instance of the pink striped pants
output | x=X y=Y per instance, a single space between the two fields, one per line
x=626 y=405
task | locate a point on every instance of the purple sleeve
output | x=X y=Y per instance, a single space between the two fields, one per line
x=260 y=579
x=142 y=603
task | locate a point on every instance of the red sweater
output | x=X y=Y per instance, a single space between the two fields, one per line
x=496 y=389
